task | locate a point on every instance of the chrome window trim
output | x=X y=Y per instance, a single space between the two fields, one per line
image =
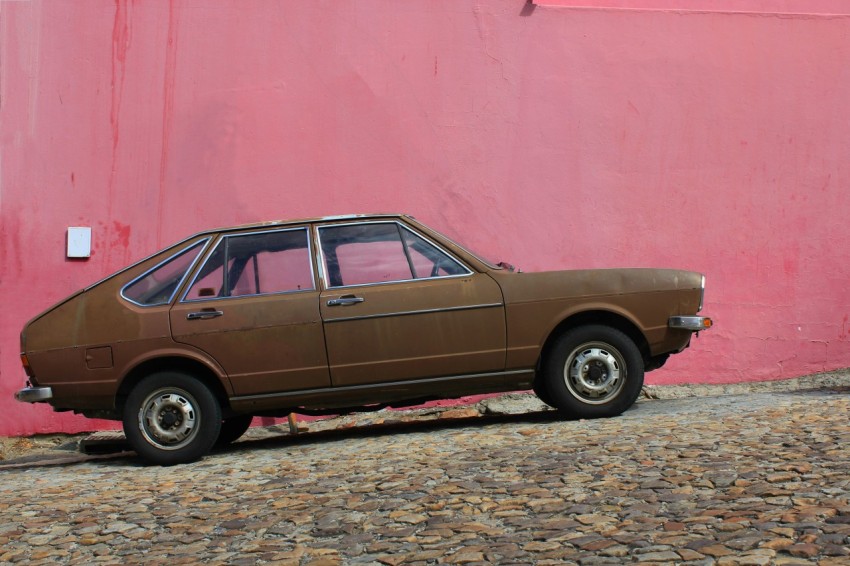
x=184 y=300
x=423 y=311
x=204 y=243
x=321 y=256
x=207 y=257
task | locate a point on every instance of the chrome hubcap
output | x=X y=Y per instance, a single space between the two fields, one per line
x=594 y=373
x=168 y=418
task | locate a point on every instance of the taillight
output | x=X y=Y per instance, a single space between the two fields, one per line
x=26 y=363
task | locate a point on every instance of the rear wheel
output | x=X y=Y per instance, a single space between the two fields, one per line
x=539 y=388
x=593 y=371
x=171 y=418
x=232 y=429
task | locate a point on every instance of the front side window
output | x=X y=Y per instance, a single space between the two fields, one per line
x=261 y=263
x=428 y=260
x=157 y=286
x=381 y=252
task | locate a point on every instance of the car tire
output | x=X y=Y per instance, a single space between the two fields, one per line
x=232 y=429
x=593 y=371
x=171 y=418
x=539 y=388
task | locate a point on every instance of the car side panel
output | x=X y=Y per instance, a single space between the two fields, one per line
x=85 y=347
x=536 y=303
x=266 y=343
x=428 y=328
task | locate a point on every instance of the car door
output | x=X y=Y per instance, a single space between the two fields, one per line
x=398 y=307
x=253 y=307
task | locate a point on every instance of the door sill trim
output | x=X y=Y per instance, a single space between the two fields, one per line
x=294 y=395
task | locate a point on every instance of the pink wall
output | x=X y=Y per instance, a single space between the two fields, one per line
x=772 y=7
x=551 y=137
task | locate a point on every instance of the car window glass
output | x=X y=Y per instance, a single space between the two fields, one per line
x=364 y=253
x=157 y=286
x=257 y=264
x=380 y=252
x=429 y=260
x=285 y=270
x=210 y=280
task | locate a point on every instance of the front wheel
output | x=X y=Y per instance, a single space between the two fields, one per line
x=171 y=418
x=593 y=371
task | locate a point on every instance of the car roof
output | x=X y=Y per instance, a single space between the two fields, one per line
x=274 y=223
x=256 y=225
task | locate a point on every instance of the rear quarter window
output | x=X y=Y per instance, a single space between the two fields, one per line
x=158 y=285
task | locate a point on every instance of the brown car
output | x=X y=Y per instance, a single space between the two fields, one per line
x=330 y=315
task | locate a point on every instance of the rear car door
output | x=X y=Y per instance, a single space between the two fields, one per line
x=253 y=307
x=399 y=307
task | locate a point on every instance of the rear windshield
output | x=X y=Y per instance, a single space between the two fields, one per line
x=157 y=286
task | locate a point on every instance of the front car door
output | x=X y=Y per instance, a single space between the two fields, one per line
x=253 y=307
x=397 y=306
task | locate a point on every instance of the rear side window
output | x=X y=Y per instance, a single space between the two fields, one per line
x=157 y=286
x=261 y=263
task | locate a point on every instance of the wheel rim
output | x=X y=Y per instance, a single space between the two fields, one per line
x=169 y=418
x=595 y=373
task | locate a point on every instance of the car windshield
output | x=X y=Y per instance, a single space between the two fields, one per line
x=479 y=257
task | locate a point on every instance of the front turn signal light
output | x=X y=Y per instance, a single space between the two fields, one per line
x=26 y=363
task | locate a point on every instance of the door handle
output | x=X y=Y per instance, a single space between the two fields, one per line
x=203 y=315
x=345 y=300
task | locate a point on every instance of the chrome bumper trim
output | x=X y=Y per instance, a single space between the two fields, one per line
x=694 y=323
x=34 y=394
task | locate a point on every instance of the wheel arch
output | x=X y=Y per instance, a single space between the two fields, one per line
x=193 y=367
x=601 y=317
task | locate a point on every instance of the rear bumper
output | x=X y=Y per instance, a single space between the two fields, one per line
x=693 y=323
x=34 y=394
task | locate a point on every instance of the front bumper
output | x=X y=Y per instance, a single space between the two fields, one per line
x=693 y=323
x=34 y=394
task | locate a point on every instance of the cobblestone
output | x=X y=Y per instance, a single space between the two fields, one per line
x=746 y=479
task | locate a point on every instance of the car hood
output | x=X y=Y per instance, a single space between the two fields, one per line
x=522 y=287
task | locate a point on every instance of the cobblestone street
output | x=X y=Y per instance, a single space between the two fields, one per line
x=744 y=479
